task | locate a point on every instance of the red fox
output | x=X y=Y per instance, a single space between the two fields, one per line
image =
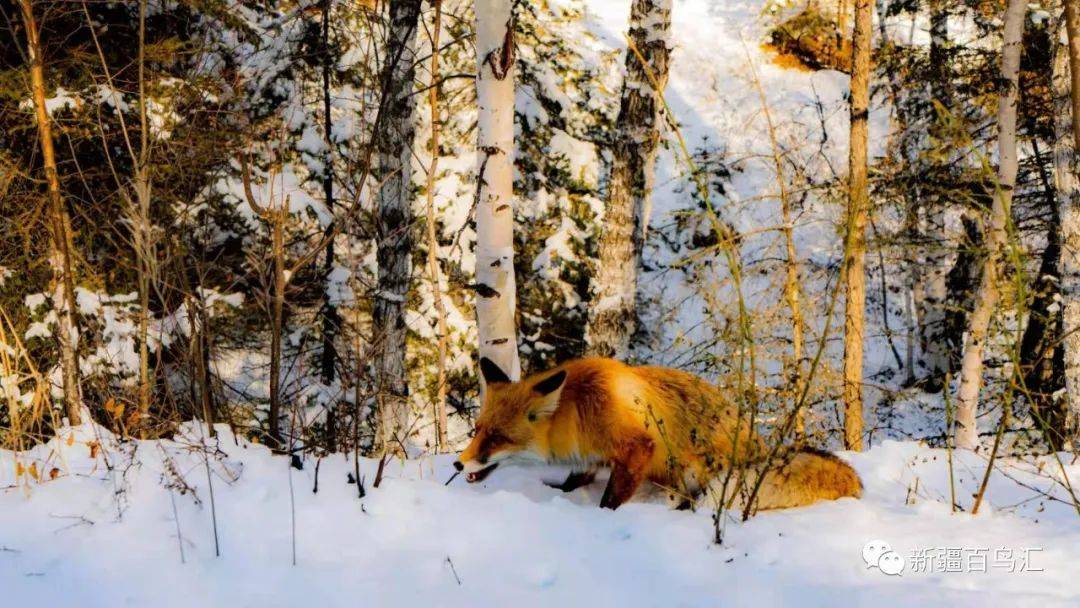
x=645 y=423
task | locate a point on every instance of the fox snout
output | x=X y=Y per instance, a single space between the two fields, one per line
x=475 y=460
x=475 y=471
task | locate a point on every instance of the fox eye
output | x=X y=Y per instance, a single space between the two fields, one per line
x=493 y=441
x=532 y=416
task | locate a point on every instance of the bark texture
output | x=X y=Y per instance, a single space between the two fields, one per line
x=936 y=245
x=858 y=207
x=394 y=224
x=1072 y=28
x=331 y=320
x=496 y=289
x=987 y=296
x=1066 y=169
x=277 y=319
x=432 y=237
x=63 y=294
x=962 y=281
x=1041 y=362
x=612 y=311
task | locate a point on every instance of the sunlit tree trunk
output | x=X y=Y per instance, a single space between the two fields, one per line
x=432 y=237
x=858 y=208
x=612 y=311
x=394 y=224
x=496 y=291
x=60 y=228
x=1072 y=27
x=277 y=319
x=987 y=296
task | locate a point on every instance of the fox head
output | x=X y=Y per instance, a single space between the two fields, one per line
x=514 y=418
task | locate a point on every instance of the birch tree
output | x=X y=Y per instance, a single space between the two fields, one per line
x=60 y=256
x=612 y=311
x=496 y=291
x=987 y=295
x=858 y=208
x=394 y=223
x=432 y=236
x=1066 y=168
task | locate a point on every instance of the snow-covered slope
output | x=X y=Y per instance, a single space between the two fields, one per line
x=99 y=537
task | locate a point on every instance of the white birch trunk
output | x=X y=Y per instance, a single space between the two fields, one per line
x=1066 y=169
x=433 y=239
x=394 y=225
x=496 y=291
x=612 y=310
x=987 y=296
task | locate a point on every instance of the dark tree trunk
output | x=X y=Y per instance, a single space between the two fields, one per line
x=612 y=311
x=935 y=302
x=394 y=223
x=331 y=320
x=961 y=282
x=1042 y=361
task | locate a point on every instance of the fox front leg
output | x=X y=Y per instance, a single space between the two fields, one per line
x=574 y=480
x=627 y=472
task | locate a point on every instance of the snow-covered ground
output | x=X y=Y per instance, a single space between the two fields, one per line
x=96 y=536
x=133 y=523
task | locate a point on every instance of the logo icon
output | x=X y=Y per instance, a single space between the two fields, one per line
x=879 y=554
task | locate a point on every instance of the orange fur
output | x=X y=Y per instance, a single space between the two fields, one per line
x=647 y=423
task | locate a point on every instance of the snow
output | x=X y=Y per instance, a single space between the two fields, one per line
x=39 y=329
x=62 y=99
x=34 y=300
x=104 y=531
x=88 y=302
x=110 y=96
x=581 y=156
x=283 y=187
x=212 y=296
x=338 y=291
x=557 y=246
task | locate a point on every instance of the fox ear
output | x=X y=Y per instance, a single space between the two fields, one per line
x=491 y=372
x=551 y=384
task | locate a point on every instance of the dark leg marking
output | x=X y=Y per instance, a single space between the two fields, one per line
x=627 y=472
x=574 y=480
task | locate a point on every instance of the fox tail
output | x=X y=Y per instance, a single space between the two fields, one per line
x=801 y=478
